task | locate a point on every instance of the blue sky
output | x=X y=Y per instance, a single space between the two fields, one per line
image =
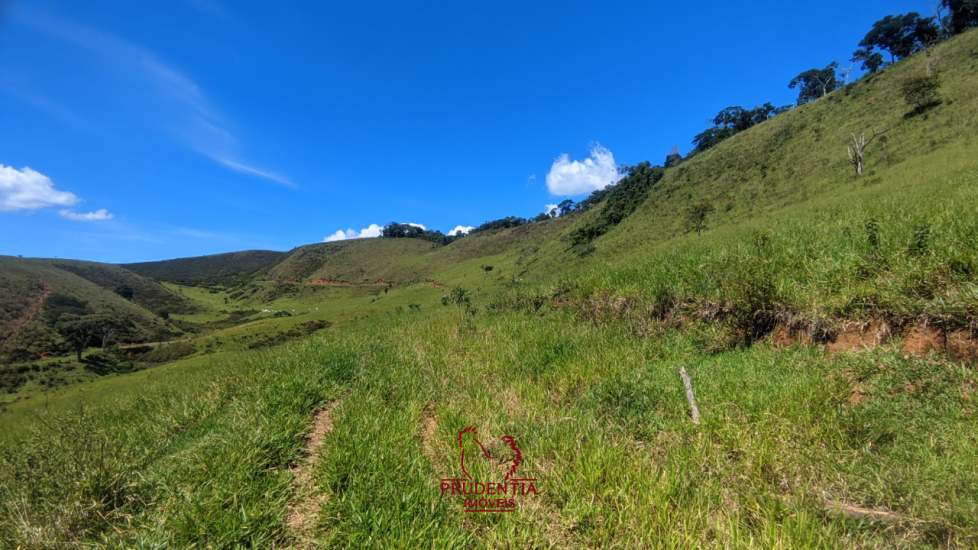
x=156 y=130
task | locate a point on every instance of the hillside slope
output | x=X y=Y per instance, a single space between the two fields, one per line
x=778 y=168
x=229 y=269
x=29 y=285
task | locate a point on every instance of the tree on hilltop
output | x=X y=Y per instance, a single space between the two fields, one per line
x=815 y=83
x=963 y=15
x=901 y=35
x=872 y=61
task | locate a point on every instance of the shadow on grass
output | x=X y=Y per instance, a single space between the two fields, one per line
x=922 y=109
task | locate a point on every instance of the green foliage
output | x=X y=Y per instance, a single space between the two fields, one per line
x=696 y=215
x=162 y=313
x=873 y=233
x=503 y=223
x=622 y=199
x=901 y=35
x=732 y=121
x=12 y=378
x=396 y=230
x=871 y=61
x=815 y=83
x=963 y=15
x=921 y=92
x=125 y=291
x=920 y=236
x=78 y=331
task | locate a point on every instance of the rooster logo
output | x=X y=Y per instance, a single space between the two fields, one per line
x=471 y=449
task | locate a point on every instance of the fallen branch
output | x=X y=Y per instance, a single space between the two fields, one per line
x=689 y=395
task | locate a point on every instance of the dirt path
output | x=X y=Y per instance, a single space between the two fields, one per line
x=302 y=515
x=32 y=310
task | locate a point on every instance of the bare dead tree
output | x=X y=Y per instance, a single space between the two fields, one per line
x=938 y=8
x=846 y=72
x=824 y=83
x=857 y=148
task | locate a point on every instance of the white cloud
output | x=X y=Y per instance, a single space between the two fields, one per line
x=418 y=225
x=29 y=190
x=460 y=230
x=569 y=177
x=99 y=215
x=372 y=231
x=549 y=207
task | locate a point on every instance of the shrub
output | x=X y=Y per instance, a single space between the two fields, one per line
x=921 y=92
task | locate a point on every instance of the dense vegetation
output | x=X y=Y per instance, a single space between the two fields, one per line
x=622 y=199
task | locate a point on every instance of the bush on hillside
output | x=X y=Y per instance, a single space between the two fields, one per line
x=921 y=92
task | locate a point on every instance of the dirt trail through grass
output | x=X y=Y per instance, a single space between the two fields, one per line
x=302 y=515
x=32 y=311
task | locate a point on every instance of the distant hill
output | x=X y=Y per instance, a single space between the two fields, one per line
x=147 y=293
x=227 y=270
x=29 y=287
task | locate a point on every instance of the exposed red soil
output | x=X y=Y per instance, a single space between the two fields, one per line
x=923 y=338
x=434 y=284
x=855 y=336
x=962 y=346
x=784 y=336
x=284 y=280
x=332 y=282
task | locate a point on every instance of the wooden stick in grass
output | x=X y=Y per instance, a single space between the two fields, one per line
x=689 y=395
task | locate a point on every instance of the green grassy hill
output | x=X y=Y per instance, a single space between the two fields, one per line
x=226 y=270
x=826 y=321
x=31 y=285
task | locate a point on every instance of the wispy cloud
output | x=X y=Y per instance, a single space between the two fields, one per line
x=99 y=215
x=181 y=107
x=576 y=177
x=254 y=171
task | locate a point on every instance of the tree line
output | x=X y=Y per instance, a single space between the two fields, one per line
x=898 y=36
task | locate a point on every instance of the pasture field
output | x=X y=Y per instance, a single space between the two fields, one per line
x=827 y=323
